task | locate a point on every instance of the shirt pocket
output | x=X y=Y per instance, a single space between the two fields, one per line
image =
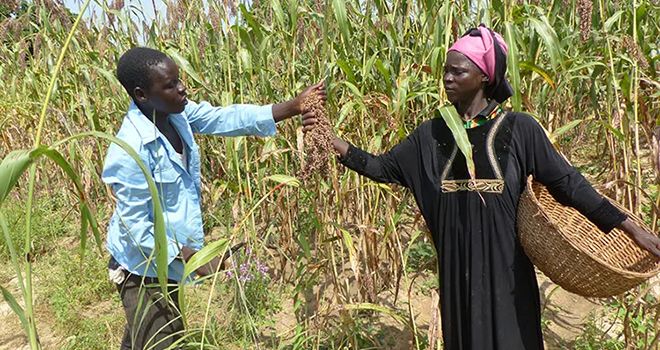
x=168 y=183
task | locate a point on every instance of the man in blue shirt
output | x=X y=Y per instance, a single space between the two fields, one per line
x=159 y=126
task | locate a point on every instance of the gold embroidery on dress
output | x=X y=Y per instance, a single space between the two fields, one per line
x=490 y=149
x=478 y=185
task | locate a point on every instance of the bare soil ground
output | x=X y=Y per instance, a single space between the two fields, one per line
x=565 y=316
x=12 y=336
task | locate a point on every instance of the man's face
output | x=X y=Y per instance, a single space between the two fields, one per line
x=166 y=95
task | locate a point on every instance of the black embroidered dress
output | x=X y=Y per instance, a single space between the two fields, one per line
x=488 y=290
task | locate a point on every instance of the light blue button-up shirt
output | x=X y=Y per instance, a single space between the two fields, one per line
x=130 y=237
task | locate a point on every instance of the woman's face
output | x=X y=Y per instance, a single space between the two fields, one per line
x=462 y=78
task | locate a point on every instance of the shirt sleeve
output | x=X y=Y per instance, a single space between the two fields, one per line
x=393 y=166
x=233 y=120
x=564 y=182
x=134 y=208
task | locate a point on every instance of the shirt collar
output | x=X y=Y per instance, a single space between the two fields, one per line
x=143 y=125
x=489 y=109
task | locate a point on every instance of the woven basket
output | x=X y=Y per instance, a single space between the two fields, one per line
x=574 y=253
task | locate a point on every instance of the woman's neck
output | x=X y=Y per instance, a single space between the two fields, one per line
x=469 y=108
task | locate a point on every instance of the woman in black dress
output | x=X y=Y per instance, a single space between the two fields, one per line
x=488 y=289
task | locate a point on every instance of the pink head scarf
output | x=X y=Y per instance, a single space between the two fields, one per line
x=487 y=50
x=480 y=49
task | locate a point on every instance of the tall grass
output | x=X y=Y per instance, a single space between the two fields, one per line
x=570 y=63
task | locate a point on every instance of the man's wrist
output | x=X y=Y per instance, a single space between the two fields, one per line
x=286 y=110
x=294 y=106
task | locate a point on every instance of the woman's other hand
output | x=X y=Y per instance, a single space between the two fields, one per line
x=642 y=238
x=309 y=120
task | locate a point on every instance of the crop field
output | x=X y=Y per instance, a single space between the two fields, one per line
x=332 y=260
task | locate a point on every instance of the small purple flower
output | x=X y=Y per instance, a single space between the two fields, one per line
x=229 y=273
x=244 y=274
x=245 y=278
x=262 y=268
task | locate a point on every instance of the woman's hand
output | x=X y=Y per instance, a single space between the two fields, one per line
x=309 y=121
x=642 y=238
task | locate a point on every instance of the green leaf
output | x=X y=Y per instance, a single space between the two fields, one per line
x=107 y=75
x=14 y=260
x=204 y=255
x=18 y=310
x=455 y=124
x=549 y=37
x=293 y=14
x=160 y=235
x=616 y=132
x=200 y=258
x=352 y=253
x=571 y=71
x=538 y=70
x=343 y=113
x=90 y=216
x=279 y=13
x=354 y=89
x=246 y=59
x=436 y=63
x=384 y=70
x=284 y=179
x=612 y=20
x=346 y=68
x=381 y=309
x=304 y=244
x=387 y=188
x=339 y=8
x=512 y=65
x=257 y=29
x=369 y=65
x=11 y=168
x=563 y=129
x=86 y=215
x=186 y=66
x=84 y=225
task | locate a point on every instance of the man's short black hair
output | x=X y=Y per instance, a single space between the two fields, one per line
x=134 y=67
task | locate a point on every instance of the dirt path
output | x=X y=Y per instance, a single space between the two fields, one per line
x=565 y=316
x=12 y=336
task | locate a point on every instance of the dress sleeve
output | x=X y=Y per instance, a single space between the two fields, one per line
x=395 y=166
x=564 y=182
